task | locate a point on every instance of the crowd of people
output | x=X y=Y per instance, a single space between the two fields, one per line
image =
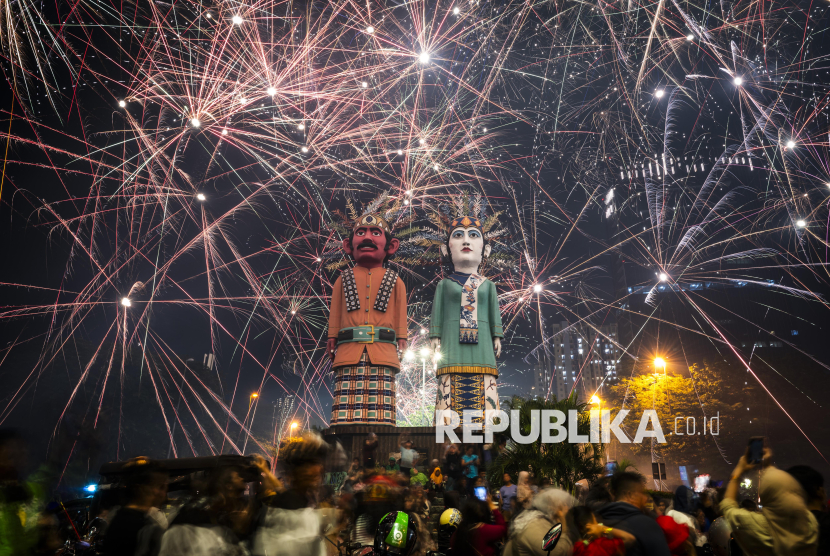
x=409 y=505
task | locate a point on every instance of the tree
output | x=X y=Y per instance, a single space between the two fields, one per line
x=683 y=402
x=563 y=463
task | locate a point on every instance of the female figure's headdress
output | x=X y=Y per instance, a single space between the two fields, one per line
x=467 y=211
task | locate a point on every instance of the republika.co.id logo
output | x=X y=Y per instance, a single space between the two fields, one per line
x=554 y=426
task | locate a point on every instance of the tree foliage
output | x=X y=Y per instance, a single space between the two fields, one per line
x=563 y=463
x=682 y=401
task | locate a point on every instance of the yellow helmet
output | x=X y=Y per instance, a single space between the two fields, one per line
x=451 y=517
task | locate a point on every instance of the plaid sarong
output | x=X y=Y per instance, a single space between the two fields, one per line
x=364 y=394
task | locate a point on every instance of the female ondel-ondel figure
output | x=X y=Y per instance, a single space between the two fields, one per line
x=466 y=324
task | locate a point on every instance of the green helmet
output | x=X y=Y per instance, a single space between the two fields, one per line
x=397 y=535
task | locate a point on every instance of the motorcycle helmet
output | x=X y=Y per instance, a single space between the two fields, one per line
x=720 y=537
x=447 y=524
x=450 y=517
x=397 y=535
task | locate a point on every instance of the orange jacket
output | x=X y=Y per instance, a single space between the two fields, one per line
x=380 y=353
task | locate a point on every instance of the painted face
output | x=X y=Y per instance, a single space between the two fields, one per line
x=369 y=246
x=466 y=247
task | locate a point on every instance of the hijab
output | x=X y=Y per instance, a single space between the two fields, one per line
x=523 y=490
x=793 y=528
x=685 y=500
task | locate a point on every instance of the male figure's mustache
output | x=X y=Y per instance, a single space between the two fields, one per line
x=366 y=243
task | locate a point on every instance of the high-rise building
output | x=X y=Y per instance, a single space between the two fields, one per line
x=541 y=378
x=283 y=408
x=585 y=358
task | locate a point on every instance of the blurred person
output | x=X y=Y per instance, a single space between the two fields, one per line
x=599 y=494
x=528 y=529
x=487 y=456
x=456 y=497
x=597 y=539
x=469 y=462
x=685 y=510
x=393 y=466
x=293 y=523
x=383 y=494
x=452 y=466
x=476 y=536
x=217 y=520
x=708 y=504
x=812 y=482
x=626 y=513
x=354 y=467
x=784 y=526
x=448 y=524
x=677 y=536
x=507 y=496
x=659 y=506
x=416 y=502
x=436 y=478
x=19 y=499
x=370 y=447
x=417 y=478
x=478 y=482
x=49 y=539
x=134 y=530
x=409 y=457
x=524 y=492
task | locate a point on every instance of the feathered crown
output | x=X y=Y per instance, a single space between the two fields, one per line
x=447 y=216
x=389 y=213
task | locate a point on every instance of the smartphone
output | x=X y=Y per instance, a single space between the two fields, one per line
x=481 y=493
x=755 y=452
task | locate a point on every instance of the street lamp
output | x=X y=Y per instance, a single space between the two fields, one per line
x=660 y=363
x=251 y=399
x=293 y=426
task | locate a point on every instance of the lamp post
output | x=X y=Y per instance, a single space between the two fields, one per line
x=293 y=426
x=595 y=400
x=253 y=397
x=659 y=363
x=424 y=354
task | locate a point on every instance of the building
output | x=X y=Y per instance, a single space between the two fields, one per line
x=584 y=358
x=283 y=410
x=542 y=374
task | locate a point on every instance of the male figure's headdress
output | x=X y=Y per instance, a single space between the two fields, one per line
x=390 y=214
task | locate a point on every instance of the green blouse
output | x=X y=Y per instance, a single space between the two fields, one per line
x=445 y=324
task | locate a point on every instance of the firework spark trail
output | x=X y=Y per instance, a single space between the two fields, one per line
x=244 y=121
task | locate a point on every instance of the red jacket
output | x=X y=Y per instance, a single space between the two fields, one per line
x=486 y=535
